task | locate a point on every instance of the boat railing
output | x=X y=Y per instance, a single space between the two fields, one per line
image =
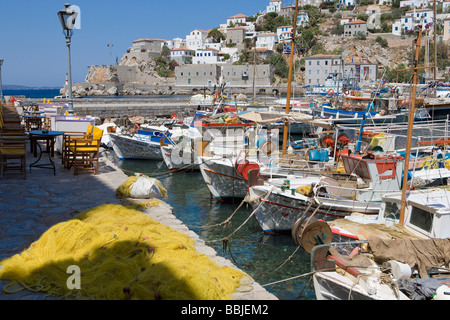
x=275 y=164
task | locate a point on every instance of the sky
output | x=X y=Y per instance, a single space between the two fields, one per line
x=33 y=46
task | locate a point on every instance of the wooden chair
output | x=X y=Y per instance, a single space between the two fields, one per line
x=12 y=148
x=66 y=143
x=12 y=124
x=84 y=153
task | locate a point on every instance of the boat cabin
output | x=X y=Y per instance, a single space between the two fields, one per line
x=381 y=174
x=427 y=212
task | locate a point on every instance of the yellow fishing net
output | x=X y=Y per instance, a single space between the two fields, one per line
x=124 y=190
x=121 y=254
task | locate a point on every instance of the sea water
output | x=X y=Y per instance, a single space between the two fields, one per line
x=266 y=258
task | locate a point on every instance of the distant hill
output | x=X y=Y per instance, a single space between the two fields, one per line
x=18 y=87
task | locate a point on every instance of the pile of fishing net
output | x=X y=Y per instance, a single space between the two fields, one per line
x=141 y=187
x=121 y=253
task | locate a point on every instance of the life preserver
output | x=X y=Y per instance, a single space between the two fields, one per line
x=346 y=91
x=137 y=126
x=330 y=92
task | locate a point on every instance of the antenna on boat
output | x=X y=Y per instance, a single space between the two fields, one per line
x=291 y=63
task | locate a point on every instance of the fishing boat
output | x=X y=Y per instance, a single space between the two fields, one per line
x=331 y=195
x=143 y=144
x=331 y=87
x=409 y=255
x=410 y=232
x=256 y=147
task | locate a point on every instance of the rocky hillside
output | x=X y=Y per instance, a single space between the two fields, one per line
x=390 y=56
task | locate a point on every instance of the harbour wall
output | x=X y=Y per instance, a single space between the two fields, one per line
x=147 y=107
x=108 y=108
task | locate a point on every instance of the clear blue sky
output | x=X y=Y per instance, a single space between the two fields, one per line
x=33 y=46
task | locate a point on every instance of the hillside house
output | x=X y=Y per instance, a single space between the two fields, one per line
x=319 y=67
x=345 y=20
x=236 y=35
x=302 y=17
x=284 y=33
x=196 y=39
x=446 y=35
x=182 y=55
x=274 y=6
x=206 y=56
x=262 y=53
x=146 y=48
x=354 y=70
x=237 y=20
x=266 y=40
x=411 y=19
x=352 y=28
x=414 y=3
x=347 y=3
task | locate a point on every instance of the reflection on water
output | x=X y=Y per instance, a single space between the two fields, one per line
x=264 y=257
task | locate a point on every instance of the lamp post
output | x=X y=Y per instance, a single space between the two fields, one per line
x=1 y=85
x=67 y=17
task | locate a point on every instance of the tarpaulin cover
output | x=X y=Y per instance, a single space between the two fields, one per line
x=425 y=253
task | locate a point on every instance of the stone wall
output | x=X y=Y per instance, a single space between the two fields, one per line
x=116 y=108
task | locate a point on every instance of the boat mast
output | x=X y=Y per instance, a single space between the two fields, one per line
x=291 y=63
x=410 y=126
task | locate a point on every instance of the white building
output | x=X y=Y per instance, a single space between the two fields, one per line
x=196 y=39
x=413 y=3
x=284 y=33
x=347 y=3
x=446 y=36
x=266 y=40
x=274 y=6
x=237 y=19
x=446 y=6
x=206 y=56
x=411 y=19
x=232 y=52
x=174 y=43
x=182 y=55
x=302 y=17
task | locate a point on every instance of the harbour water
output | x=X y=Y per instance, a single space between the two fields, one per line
x=266 y=258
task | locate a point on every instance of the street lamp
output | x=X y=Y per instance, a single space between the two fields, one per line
x=1 y=85
x=67 y=17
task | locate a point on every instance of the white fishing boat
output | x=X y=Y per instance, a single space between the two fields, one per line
x=411 y=259
x=331 y=87
x=279 y=204
x=141 y=145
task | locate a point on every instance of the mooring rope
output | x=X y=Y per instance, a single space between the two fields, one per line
x=226 y=239
x=224 y=222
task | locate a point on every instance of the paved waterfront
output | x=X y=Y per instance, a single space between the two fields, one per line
x=30 y=207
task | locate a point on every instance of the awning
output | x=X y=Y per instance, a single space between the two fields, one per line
x=274 y=117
